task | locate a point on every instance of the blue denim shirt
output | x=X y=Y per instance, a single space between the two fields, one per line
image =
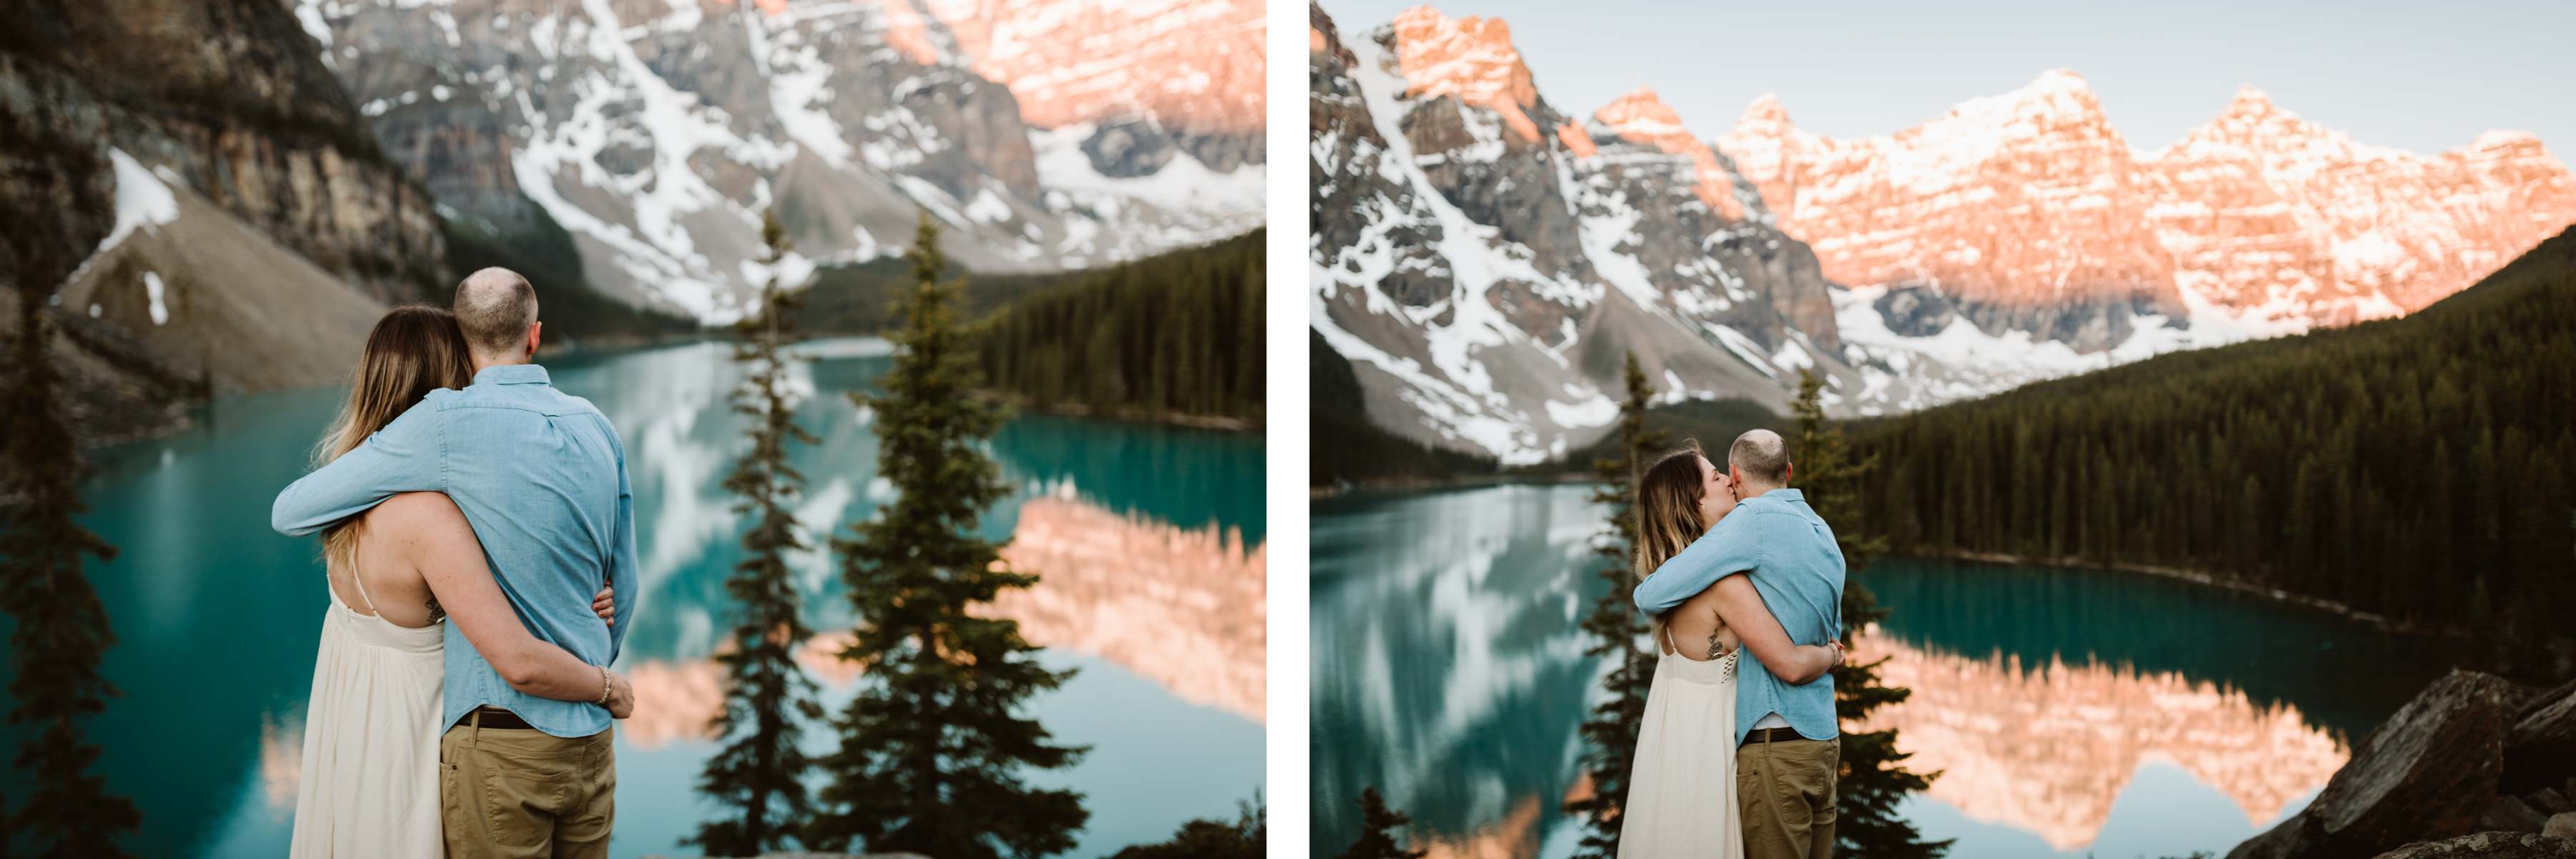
x=1790 y=554
x=541 y=476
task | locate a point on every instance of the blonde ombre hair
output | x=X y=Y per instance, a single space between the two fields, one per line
x=1668 y=517
x=412 y=351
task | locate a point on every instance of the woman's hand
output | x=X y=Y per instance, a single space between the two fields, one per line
x=621 y=697
x=605 y=604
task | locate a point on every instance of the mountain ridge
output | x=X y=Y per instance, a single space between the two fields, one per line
x=1474 y=244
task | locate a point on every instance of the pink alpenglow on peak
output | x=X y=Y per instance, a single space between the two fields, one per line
x=1194 y=65
x=1641 y=117
x=1470 y=58
x=2022 y=200
x=2030 y=198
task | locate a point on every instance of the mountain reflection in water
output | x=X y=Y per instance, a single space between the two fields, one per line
x=2047 y=749
x=1182 y=607
x=2070 y=712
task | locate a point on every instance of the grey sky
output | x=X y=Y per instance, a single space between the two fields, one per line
x=2418 y=76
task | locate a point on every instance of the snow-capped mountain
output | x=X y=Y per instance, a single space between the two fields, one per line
x=655 y=131
x=2027 y=212
x=1484 y=261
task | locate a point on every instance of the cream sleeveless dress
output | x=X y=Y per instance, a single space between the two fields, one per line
x=1681 y=788
x=370 y=774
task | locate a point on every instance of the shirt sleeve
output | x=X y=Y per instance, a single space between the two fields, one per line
x=621 y=556
x=402 y=457
x=1725 y=550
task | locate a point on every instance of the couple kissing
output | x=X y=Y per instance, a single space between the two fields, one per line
x=1738 y=748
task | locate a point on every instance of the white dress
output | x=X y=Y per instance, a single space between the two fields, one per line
x=1681 y=788
x=370 y=773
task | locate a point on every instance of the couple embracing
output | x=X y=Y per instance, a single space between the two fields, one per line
x=1738 y=749
x=478 y=531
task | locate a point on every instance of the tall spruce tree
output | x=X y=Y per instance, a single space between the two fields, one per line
x=1873 y=777
x=1378 y=825
x=62 y=631
x=1610 y=735
x=759 y=774
x=933 y=746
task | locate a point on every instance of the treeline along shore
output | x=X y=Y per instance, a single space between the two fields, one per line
x=2421 y=470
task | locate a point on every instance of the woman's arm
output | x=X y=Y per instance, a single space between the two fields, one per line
x=427 y=530
x=1742 y=609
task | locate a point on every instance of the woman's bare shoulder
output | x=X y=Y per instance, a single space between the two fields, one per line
x=426 y=510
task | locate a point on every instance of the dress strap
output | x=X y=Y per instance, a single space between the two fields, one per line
x=358 y=577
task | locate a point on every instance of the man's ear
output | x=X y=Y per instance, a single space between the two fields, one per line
x=533 y=328
x=1787 y=470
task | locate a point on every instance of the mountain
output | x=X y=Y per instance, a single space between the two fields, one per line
x=2025 y=212
x=1045 y=134
x=1481 y=258
x=202 y=199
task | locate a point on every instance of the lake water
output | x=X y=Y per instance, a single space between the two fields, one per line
x=2071 y=712
x=1149 y=539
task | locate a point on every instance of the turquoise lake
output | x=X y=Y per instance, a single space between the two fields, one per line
x=1149 y=539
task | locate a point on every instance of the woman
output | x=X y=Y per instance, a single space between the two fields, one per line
x=1681 y=788
x=370 y=770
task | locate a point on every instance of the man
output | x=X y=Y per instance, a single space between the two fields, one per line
x=1787 y=745
x=542 y=478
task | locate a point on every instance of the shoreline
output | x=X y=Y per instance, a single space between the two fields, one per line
x=1130 y=414
x=2375 y=621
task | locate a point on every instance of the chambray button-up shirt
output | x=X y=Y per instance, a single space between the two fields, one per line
x=1789 y=553
x=541 y=476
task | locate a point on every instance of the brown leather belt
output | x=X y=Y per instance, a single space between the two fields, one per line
x=1771 y=735
x=497 y=718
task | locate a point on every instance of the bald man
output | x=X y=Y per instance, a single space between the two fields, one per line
x=541 y=476
x=1771 y=554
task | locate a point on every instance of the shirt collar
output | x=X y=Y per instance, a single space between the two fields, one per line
x=1783 y=495
x=513 y=374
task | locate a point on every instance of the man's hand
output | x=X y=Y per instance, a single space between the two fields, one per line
x=621 y=697
x=605 y=605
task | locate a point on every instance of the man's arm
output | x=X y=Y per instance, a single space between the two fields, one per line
x=1727 y=548
x=403 y=457
x=621 y=557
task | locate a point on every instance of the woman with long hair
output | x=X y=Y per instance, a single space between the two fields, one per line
x=397 y=574
x=1681 y=785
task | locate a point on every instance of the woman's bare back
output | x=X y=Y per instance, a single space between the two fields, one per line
x=1696 y=630
x=389 y=535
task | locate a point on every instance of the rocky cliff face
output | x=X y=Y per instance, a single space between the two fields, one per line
x=1486 y=262
x=187 y=182
x=655 y=132
x=218 y=92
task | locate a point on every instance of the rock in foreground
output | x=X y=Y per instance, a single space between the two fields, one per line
x=2488 y=845
x=2429 y=772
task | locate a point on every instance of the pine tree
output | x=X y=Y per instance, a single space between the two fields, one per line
x=759 y=775
x=932 y=746
x=1610 y=735
x=1377 y=831
x=1873 y=777
x=1246 y=837
x=62 y=630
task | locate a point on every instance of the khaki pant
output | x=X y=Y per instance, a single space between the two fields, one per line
x=519 y=794
x=1786 y=793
